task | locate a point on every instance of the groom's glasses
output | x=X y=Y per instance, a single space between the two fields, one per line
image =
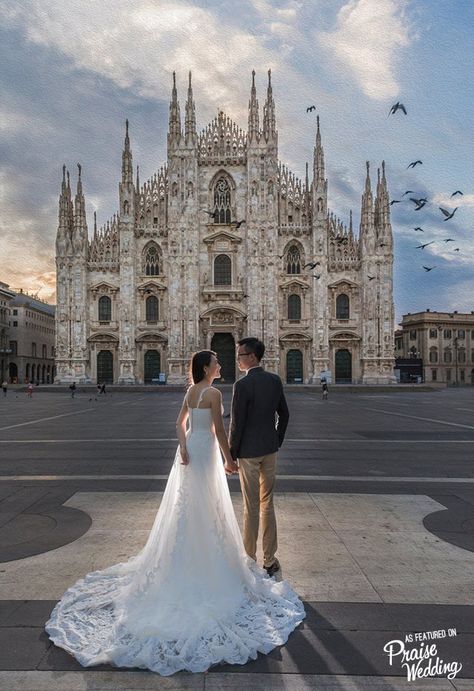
x=239 y=355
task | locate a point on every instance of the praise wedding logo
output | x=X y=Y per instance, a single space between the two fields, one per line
x=422 y=660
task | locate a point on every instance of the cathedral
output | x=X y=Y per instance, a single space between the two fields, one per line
x=222 y=242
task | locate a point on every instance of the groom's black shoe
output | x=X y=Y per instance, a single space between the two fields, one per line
x=273 y=569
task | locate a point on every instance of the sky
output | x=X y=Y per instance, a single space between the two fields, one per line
x=71 y=73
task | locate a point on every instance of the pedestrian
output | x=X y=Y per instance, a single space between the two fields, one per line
x=30 y=390
x=5 y=387
x=324 y=389
x=73 y=388
x=102 y=388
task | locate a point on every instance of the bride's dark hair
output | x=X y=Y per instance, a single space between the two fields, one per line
x=199 y=360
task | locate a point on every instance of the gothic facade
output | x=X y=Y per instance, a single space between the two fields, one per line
x=215 y=246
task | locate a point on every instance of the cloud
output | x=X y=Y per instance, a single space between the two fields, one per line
x=146 y=42
x=367 y=41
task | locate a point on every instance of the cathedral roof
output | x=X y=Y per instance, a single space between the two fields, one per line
x=222 y=140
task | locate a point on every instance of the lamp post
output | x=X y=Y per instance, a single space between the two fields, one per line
x=4 y=352
x=455 y=343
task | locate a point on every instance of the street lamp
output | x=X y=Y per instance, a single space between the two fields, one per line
x=4 y=351
x=455 y=343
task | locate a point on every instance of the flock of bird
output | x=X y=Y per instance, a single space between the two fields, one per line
x=418 y=202
x=422 y=201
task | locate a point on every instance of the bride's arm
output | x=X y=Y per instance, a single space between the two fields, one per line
x=216 y=411
x=181 y=431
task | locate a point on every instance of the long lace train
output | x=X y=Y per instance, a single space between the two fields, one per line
x=192 y=597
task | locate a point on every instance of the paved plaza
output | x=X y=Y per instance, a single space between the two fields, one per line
x=375 y=508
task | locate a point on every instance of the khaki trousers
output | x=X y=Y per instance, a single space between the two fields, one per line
x=257 y=480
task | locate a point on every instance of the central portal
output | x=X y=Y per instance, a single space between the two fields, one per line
x=224 y=345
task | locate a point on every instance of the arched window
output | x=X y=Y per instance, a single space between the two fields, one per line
x=342 y=306
x=105 y=309
x=222 y=201
x=293 y=261
x=152 y=309
x=222 y=270
x=448 y=356
x=433 y=355
x=152 y=261
x=294 y=307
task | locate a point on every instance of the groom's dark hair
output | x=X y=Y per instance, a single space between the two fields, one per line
x=253 y=345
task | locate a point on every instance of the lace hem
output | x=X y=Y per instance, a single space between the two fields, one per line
x=87 y=624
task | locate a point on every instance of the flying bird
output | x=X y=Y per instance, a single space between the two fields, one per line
x=422 y=247
x=447 y=214
x=312 y=265
x=382 y=244
x=397 y=106
x=310 y=108
x=457 y=192
x=371 y=278
x=449 y=240
x=456 y=249
x=429 y=268
x=213 y=214
x=420 y=203
x=395 y=201
x=418 y=228
x=237 y=224
x=407 y=192
x=414 y=163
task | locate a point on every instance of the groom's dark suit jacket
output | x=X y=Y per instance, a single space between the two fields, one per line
x=253 y=427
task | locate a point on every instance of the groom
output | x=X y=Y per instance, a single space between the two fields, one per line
x=254 y=439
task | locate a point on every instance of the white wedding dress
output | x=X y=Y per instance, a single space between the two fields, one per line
x=192 y=597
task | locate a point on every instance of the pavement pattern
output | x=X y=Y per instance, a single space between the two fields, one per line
x=375 y=509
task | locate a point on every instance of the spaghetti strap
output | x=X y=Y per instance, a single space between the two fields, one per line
x=200 y=396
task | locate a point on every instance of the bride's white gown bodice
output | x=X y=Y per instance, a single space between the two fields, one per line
x=192 y=597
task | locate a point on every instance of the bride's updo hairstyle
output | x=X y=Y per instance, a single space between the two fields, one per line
x=199 y=360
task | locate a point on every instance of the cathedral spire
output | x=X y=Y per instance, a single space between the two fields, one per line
x=367 y=233
x=138 y=180
x=253 y=111
x=269 y=121
x=63 y=221
x=127 y=166
x=174 y=129
x=318 y=158
x=190 y=119
x=80 y=223
x=384 y=228
x=79 y=205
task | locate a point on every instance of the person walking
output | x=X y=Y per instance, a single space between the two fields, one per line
x=254 y=440
x=324 y=389
x=5 y=388
x=73 y=388
x=29 y=389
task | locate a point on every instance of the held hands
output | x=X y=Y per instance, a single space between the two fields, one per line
x=184 y=456
x=231 y=467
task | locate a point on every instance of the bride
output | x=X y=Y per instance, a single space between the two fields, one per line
x=192 y=597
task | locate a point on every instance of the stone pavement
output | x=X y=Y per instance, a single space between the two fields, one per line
x=373 y=557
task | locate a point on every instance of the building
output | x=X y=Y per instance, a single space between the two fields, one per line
x=6 y=296
x=32 y=337
x=215 y=246
x=444 y=341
